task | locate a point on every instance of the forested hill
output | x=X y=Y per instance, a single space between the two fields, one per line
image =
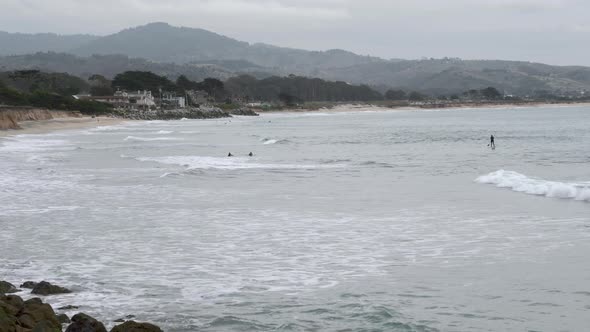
x=197 y=53
x=111 y=65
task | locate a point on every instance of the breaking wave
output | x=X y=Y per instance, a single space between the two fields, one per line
x=225 y=163
x=268 y=141
x=522 y=183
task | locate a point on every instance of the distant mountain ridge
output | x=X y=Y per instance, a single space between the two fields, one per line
x=21 y=43
x=171 y=51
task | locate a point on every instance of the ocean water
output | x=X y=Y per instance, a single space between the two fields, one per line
x=353 y=221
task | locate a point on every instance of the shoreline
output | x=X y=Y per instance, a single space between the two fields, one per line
x=67 y=123
x=70 y=123
x=358 y=107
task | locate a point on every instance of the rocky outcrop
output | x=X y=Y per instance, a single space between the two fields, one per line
x=176 y=114
x=33 y=315
x=28 y=284
x=243 y=112
x=132 y=326
x=45 y=288
x=6 y=287
x=24 y=316
x=84 y=323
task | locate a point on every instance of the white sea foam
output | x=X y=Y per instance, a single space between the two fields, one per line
x=234 y=163
x=164 y=132
x=151 y=139
x=28 y=144
x=522 y=183
x=269 y=141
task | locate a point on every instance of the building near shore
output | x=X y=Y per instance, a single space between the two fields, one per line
x=172 y=101
x=140 y=98
x=124 y=99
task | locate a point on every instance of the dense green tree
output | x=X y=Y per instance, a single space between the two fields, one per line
x=9 y=96
x=491 y=93
x=142 y=80
x=300 y=88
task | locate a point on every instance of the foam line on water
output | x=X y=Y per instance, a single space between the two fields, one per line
x=151 y=139
x=225 y=163
x=532 y=186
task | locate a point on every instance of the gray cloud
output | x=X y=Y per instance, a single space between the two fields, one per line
x=552 y=31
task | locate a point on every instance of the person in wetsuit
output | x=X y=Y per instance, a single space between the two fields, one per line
x=492 y=143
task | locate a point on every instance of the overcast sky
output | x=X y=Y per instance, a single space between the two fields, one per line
x=550 y=31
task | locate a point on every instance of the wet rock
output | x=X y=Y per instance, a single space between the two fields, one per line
x=34 y=312
x=84 y=323
x=63 y=319
x=45 y=326
x=8 y=322
x=29 y=284
x=12 y=303
x=45 y=288
x=8 y=311
x=6 y=287
x=132 y=326
x=68 y=307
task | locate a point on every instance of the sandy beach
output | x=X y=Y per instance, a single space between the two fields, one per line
x=45 y=126
x=459 y=106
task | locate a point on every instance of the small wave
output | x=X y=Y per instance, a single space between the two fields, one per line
x=268 y=141
x=26 y=144
x=164 y=132
x=170 y=174
x=151 y=139
x=521 y=183
x=225 y=163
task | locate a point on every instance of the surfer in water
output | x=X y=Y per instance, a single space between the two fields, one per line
x=492 y=143
x=230 y=155
x=250 y=154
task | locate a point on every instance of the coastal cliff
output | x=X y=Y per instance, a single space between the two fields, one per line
x=10 y=116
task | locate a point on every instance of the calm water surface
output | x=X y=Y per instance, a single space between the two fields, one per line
x=358 y=221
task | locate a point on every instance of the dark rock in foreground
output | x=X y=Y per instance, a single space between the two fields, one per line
x=84 y=323
x=33 y=315
x=6 y=287
x=63 y=318
x=18 y=315
x=132 y=326
x=45 y=288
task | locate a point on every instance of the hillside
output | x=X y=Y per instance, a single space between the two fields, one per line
x=108 y=66
x=165 y=43
x=21 y=43
x=446 y=76
x=197 y=53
